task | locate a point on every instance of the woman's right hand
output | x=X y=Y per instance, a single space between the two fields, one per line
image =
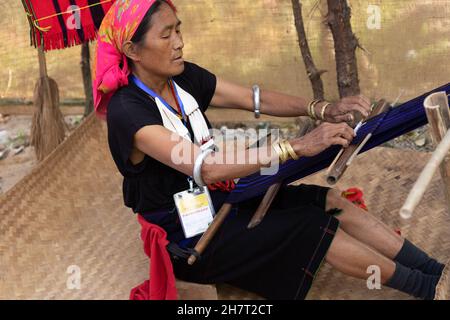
x=322 y=137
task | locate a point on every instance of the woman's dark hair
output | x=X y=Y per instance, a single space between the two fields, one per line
x=146 y=22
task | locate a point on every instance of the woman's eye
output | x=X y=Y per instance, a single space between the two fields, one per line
x=166 y=37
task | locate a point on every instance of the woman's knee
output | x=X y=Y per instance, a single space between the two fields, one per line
x=336 y=201
x=343 y=209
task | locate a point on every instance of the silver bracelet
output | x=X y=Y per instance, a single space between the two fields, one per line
x=198 y=167
x=257 y=100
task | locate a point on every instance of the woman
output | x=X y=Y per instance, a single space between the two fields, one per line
x=154 y=101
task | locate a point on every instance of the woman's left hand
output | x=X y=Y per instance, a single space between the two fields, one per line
x=343 y=110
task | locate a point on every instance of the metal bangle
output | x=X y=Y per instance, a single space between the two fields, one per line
x=198 y=167
x=312 y=109
x=290 y=150
x=257 y=100
x=324 y=108
x=277 y=148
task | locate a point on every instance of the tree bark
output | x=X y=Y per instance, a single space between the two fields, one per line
x=87 y=78
x=345 y=44
x=313 y=73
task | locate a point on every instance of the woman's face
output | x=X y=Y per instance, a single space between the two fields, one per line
x=161 y=51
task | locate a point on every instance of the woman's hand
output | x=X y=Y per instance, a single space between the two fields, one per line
x=322 y=137
x=343 y=110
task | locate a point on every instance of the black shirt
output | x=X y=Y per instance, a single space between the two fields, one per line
x=149 y=186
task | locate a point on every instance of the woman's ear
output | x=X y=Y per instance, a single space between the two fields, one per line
x=131 y=51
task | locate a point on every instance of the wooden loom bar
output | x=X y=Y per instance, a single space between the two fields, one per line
x=425 y=177
x=438 y=114
x=345 y=157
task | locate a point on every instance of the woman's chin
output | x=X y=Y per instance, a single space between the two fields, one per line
x=177 y=67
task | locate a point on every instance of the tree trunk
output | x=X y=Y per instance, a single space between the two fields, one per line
x=313 y=73
x=87 y=78
x=345 y=44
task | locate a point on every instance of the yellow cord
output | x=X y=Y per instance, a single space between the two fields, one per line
x=46 y=29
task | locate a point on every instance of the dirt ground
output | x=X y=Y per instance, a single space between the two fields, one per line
x=13 y=167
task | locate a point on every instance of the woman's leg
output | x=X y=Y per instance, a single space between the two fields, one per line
x=368 y=229
x=365 y=227
x=353 y=258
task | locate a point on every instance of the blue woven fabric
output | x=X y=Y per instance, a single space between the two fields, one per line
x=387 y=126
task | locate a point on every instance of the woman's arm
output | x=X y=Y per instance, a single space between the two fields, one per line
x=180 y=154
x=234 y=96
x=231 y=95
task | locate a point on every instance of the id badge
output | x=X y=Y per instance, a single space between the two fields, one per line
x=195 y=210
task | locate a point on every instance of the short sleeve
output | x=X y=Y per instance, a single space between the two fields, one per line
x=202 y=82
x=127 y=113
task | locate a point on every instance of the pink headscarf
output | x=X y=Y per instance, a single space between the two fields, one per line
x=118 y=26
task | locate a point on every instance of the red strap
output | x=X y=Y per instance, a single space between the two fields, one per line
x=175 y=98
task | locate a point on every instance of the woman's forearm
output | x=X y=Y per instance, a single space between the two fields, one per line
x=282 y=105
x=238 y=163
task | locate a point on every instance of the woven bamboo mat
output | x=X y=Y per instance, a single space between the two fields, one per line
x=68 y=215
x=69 y=212
x=386 y=176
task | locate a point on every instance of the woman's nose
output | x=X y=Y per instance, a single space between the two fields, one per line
x=179 y=44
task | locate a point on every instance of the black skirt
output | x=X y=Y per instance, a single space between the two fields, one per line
x=280 y=257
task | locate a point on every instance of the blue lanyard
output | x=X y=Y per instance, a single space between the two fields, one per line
x=153 y=94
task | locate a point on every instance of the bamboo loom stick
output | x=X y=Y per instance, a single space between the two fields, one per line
x=263 y=207
x=425 y=177
x=438 y=114
x=346 y=155
x=211 y=231
x=266 y=202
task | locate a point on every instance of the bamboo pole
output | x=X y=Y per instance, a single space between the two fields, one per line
x=346 y=155
x=438 y=114
x=425 y=177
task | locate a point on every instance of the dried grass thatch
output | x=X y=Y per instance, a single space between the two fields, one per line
x=48 y=126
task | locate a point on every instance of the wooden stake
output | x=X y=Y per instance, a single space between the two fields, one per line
x=87 y=78
x=42 y=62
